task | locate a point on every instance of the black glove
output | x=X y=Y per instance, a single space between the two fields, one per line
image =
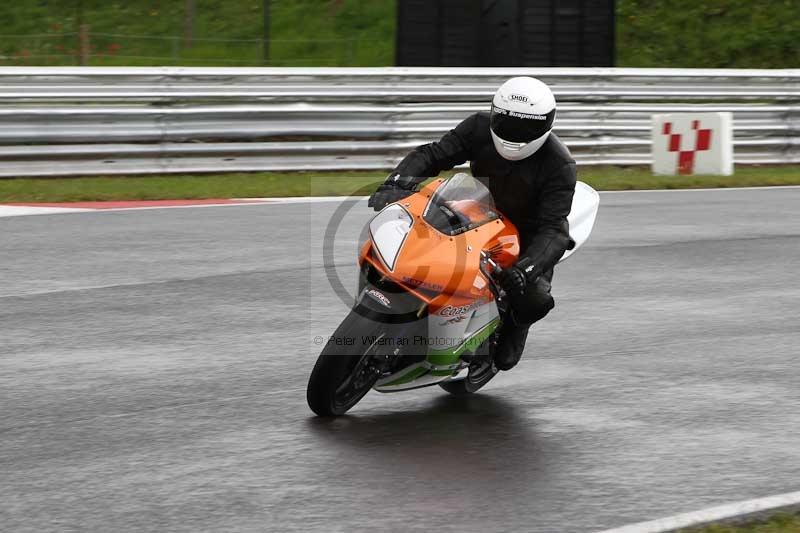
x=516 y=279
x=395 y=188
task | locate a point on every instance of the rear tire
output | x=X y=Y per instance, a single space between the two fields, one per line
x=469 y=385
x=474 y=380
x=342 y=374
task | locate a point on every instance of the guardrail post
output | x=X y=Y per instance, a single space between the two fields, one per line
x=265 y=40
x=83 y=44
x=188 y=22
x=176 y=49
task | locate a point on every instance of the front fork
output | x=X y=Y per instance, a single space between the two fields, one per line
x=404 y=315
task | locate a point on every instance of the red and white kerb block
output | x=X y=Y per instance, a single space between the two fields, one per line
x=693 y=143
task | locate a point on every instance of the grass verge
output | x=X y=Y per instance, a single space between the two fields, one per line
x=273 y=184
x=780 y=523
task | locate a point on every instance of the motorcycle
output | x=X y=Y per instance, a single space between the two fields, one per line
x=428 y=306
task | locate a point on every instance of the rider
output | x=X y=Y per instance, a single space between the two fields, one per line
x=531 y=176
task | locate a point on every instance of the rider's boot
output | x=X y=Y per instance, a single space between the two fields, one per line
x=510 y=343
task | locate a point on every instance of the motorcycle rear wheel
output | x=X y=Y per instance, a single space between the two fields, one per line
x=343 y=374
x=474 y=381
x=469 y=384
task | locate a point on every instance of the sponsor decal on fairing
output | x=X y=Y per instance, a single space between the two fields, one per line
x=380 y=297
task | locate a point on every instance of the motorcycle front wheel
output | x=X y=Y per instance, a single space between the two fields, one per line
x=344 y=372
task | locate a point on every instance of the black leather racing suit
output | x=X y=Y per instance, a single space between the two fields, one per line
x=535 y=193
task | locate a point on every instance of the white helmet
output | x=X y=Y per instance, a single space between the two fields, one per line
x=523 y=110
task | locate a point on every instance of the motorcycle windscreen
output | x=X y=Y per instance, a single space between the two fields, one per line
x=388 y=230
x=460 y=204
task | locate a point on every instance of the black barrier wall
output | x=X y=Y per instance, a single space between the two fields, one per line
x=505 y=33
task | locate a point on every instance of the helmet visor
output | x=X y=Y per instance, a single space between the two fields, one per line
x=520 y=127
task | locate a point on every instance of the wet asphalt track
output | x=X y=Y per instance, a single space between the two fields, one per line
x=153 y=368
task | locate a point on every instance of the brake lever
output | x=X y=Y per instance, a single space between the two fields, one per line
x=495 y=271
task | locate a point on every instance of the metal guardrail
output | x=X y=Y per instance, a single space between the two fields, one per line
x=72 y=121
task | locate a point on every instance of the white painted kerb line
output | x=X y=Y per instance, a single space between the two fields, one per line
x=713 y=514
x=21 y=210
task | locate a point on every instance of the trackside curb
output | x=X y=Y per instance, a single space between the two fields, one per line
x=726 y=514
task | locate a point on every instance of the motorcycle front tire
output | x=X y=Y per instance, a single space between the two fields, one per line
x=328 y=393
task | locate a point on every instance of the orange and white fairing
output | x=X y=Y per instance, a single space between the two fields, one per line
x=444 y=270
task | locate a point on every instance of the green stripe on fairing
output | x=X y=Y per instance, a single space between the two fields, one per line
x=411 y=375
x=443 y=357
x=442 y=373
x=446 y=357
x=452 y=355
